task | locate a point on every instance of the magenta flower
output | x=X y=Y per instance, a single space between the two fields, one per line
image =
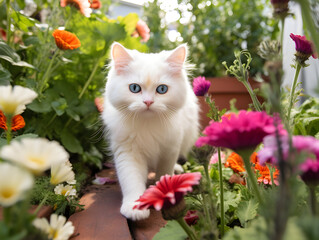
x=200 y=86
x=242 y=131
x=168 y=191
x=303 y=45
x=310 y=172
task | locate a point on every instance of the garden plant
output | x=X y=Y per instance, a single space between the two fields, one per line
x=253 y=173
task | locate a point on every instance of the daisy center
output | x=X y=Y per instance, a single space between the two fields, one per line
x=37 y=160
x=7 y=193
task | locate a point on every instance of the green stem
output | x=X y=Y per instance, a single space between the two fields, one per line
x=7 y=215
x=187 y=229
x=245 y=154
x=8 y=22
x=256 y=103
x=313 y=201
x=90 y=78
x=41 y=204
x=282 y=21
x=271 y=171
x=292 y=92
x=9 y=129
x=52 y=119
x=47 y=73
x=221 y=186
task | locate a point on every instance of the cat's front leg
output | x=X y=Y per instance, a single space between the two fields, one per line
x=132 y=174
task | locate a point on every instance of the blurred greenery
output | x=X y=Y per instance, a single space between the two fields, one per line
x=214 y=30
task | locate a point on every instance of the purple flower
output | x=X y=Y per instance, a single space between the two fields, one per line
x=307 y=144
x=200 y=86
x=242 y=131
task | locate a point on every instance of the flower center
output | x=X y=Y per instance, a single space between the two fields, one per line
x=7 y=193
x=37 y=160
x=64 y=192
x=8 y=107
x=53 y=233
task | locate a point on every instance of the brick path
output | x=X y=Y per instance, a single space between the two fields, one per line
x=101 y=218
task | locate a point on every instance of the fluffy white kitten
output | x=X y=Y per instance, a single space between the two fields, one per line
x=151 y=114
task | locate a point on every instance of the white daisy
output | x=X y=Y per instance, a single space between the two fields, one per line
x=62 y=172
x=14 y=182
x=36 y=154
x=66 y=190
x=57 y=229
x=13 y=100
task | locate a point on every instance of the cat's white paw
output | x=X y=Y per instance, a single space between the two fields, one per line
x=133 y=214
x=178 y=169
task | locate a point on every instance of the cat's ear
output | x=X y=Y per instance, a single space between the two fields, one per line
x=177 y=58
x=120 y=57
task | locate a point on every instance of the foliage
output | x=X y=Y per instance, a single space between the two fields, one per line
x=214 y=29
x=65 y=109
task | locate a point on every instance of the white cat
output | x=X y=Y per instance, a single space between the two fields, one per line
x=151 y=114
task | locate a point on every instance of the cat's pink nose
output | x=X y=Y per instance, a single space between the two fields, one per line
x=148 y=103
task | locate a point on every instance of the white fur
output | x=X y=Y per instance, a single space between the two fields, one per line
x=141 y=138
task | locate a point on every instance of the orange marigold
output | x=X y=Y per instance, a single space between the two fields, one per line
x=16 y=123
x=235 y=162
x=66 y=40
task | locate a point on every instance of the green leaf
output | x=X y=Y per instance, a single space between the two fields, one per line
x=171 y=231
x=247 y=210
x=59 y=106
x=73 y=114
x=129 y=21
x=27 y=135
x=70 y=142
x=5 y=76
x=23 y=22
x=3 y=142
x=41 y=106
x=9 y=55
x=230 y=199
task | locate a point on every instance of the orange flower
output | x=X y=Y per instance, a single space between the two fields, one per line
x=17 y=122
x=235 y=162
x=96 y=4
x=66 y=40
x=82 y=5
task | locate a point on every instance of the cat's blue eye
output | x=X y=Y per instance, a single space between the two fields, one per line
x=162 y=89
x=135 y=88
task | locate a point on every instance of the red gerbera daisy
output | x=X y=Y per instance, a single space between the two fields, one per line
x=168 y=191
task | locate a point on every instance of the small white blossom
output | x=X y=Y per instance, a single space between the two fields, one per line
x=13 y=100
x=57 y=229
x=35 y=154
x=66 y=190
x=14 y=182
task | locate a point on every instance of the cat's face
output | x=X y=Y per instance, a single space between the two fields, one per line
x=147 y=84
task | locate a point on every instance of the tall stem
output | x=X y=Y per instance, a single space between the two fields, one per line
x=282 y=21
x=293 y=89
x=46 y=75
x=187 y=229
x=9 y=130
x=90 y=78
x=221 y=186
x=313 y=201
x=245 y=154
x=256 y=102
x=8 y=22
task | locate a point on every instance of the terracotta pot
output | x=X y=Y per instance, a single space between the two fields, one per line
x=224 y=89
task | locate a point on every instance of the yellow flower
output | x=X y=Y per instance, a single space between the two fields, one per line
x=57 y=229
x=14 y=182
x=35 y=154
x=14 y=99
x=62 y=172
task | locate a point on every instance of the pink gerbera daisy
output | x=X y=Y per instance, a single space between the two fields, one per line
x=243 y=131
x=168 y=191
x=303 y=47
